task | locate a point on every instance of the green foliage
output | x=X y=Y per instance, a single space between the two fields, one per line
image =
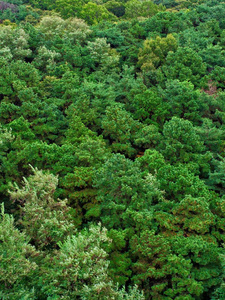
x=120 y=127
x=190 y=217
x=79 y=270
x=45 y=220
x=185 y=65
x=220 y=291
x=216 y=178
x=18 y=81
x=6 y=141
x=183 y=100
x=146 y=8
x=155 y=52
x=158 y=264
x=121 y=105
x=115 y=7
x=213 y=56
x=73 y=29
x=149 y=107
x=93 y=13
x=175 y=267
x=101 y=53
x=167 y=22
x=178 y=181
x=14 y=42
x=69 y=8
x=129 y=197
x=197 y=39
x=80 y=267
x=16 y=259
x=182 y=144
x=151 y=161
x=211 y=135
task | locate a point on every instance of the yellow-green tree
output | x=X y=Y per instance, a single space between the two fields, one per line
x=142 y=8
x=154 y=52
x=93 y=13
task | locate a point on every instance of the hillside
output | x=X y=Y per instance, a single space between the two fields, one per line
x=112 y=149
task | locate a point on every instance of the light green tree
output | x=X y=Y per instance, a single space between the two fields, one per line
x=142 y=8
x=93 y=13
x=155 y=51
x=15 y=39
x=73 y=29
x=102 y=54
x=79 y=270
x=16 y=261
x=45 y=220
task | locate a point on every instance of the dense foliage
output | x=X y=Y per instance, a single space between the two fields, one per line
x=112 y=149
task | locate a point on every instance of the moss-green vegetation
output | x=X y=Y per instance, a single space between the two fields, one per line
x=112 y=149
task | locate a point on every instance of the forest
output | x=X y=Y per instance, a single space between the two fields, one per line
x=112 y=149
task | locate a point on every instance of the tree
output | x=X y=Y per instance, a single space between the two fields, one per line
x=212 y=136
x=126 y=198
x=166 y=22
x=115 y=7
x=181 y=144
x=80 y=270
x=219 y=293
x=73 y=29
x=147 y=137
x=6 y=139
x=205 y=259
x=191 y=216
x=216 y=179
x=185 y=65
x=151 y=161
x=145 y=8
x=15 y=39
x=69 y=8
x=90 y=153
x=217 y=76
x=46 y=59
x=129 y=197
x=213 y=56
x=155 y=51
x=102 y=54
x=21 y=129
x=18 y=81
x=196 y=39
x=119 y=125
x=183 y=101
x=179 y=180
x=149 y=107
x=45 y=220
x=15 y=277
x=175 y=267
x=93 y=13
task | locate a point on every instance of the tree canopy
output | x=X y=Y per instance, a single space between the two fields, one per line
x=112 y=149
